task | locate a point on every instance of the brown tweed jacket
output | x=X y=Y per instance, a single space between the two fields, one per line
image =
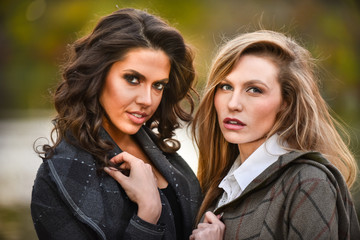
x=300 y=196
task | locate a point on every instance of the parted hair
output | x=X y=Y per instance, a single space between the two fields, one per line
x=76 y=99
x=305 y=124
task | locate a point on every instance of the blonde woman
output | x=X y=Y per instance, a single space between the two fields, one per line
x=276 y=167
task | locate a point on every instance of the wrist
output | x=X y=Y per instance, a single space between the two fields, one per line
x=150 y=211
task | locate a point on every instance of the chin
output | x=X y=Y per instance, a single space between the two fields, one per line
x=233 y=139
x=133 y=130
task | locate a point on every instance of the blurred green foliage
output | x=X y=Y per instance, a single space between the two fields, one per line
x=16 y=223
x=34 y=35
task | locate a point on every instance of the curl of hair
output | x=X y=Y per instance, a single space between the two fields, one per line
x=304 y=123
x=76 y=99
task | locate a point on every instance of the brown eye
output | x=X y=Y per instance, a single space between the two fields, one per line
x=132 y=79
x=159 y=86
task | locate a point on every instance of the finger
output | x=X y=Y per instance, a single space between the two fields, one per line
x=123 y=160
x=195 y=232
x=210 y=217
x=117 y=158
x=117 y=165
x=203 y=225
x=122 y=157
x=117 y=175
x=200 y=234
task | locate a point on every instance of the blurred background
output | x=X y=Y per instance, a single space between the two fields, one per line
x=34 y=35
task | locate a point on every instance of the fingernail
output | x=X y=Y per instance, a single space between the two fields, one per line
x=108 y=169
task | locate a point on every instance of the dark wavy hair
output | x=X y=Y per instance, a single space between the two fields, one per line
x=76 y=99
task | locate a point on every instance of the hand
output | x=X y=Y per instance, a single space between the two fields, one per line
x=211 y=229
x=140 y=186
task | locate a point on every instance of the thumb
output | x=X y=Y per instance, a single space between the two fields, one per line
x=210 y=217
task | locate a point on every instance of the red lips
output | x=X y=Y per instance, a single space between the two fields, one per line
x=233 y=121
x=233 y=124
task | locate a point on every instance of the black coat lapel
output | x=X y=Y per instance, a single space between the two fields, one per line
x=174 y=177
x=171 y=174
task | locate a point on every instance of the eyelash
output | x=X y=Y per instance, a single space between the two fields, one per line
x=130 y=78
x=257 y=90
x=249 y=89
x=134 y=80
x=163 y=85
x=222 y=85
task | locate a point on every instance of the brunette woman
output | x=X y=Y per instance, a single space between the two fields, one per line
x=127 y=77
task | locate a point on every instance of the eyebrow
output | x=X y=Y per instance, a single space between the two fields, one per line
x=141 y=76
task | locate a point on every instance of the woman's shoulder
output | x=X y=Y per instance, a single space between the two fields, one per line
x=71 y=152
x=66 y=160
x=293 y=163
x=70 y=167
x=306 y=171
x=311 y=171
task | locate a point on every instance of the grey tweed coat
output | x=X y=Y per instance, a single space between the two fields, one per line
x=300 y=196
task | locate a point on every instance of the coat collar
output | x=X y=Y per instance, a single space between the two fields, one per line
x=277 y=168
x=146 y=137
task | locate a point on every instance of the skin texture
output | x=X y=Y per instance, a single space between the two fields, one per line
x=246 y=103
x=250 y=96
x=211 y=229
x=131 y=94
x=133 y=90
x=140 y=186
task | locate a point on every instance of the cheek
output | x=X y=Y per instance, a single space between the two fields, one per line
x=266 y=113
x=218 y=103
x=114 y=98
x=103 y=97
x=106 y=92
x=156 y=99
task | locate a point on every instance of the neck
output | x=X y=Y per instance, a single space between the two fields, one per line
x=246 y=149
x=119 y=137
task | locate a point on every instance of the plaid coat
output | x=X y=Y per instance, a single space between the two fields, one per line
x=300 y=196
x=71 y=201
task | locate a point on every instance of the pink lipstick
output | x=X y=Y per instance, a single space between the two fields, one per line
x=137 y=117
x=233 y=124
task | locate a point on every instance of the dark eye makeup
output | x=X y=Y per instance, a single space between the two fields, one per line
x=131 y=78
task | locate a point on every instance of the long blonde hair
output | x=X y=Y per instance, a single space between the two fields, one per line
x=305 y=124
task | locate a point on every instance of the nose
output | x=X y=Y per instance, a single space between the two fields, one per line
x=145 y=96
x=236 y=102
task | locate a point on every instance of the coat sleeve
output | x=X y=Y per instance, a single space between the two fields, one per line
x=51 y=217
x=312 y=206
x=140 y=230
x=54 y=219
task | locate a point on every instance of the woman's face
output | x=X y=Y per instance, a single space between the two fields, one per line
x=247 y=101
x=133 y=89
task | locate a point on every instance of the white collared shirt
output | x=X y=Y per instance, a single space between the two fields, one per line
x=241 y=175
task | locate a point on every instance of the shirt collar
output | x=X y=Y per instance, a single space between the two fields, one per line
x=255 y=164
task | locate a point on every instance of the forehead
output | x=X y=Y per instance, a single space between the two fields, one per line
x=147 y=61
x=142 y=54
x=253 y=67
